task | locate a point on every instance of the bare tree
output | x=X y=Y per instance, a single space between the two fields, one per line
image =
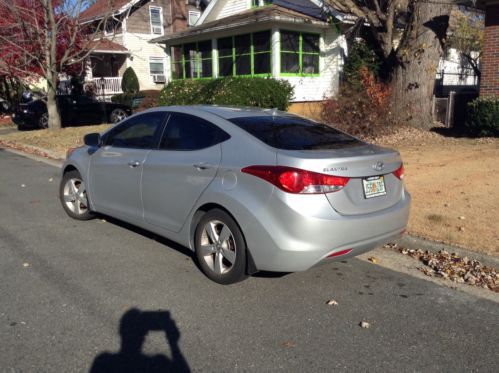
x=410 y=37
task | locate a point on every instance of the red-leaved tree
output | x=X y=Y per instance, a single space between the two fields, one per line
x=42 y=39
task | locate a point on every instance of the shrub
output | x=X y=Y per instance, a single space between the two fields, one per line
x=150 y=99
x=363 y=109
x=124 y=98
x=360 y=54
x=483 y=116
x=259 y=92
x=130 y=82
x=184 y=92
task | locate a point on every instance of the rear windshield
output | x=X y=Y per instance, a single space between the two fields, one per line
x=294 y=133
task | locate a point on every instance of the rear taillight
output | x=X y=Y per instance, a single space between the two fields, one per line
x=295 y=180
x=399 y=172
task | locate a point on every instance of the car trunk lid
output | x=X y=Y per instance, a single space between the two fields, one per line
x=372 y=185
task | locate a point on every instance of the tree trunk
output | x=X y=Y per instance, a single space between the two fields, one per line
x=413 y=78
x=54 y=117
x=52 y=73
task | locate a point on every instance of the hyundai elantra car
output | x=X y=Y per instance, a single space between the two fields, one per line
x=246 y=189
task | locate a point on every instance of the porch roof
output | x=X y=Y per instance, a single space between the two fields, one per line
x=273 y=14
x=105 y=46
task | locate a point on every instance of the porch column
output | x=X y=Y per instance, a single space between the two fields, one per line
x=168 y=64
x=214 y=55
x=276 y=52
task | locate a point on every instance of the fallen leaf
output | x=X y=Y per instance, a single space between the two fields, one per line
x=332 y=302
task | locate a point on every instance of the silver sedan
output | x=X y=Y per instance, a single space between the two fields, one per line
x=246 y=189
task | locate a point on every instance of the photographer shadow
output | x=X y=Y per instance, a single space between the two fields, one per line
x=134 y=327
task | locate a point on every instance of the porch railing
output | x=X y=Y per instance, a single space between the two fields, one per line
x=107 y=87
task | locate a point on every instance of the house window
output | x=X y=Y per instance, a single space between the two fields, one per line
x=256 y=3
x=193 y=17
x=157 y=69
x=299 y=53
x=156 y=14
x=248 y=54
x=192 y=61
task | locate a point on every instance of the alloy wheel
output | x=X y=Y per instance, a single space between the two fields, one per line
x=218 y=247
x=118 y=115
x=75 y=196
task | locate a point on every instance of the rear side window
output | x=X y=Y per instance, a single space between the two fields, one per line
x=140 y=132
x=294 y=133
x=188 y=132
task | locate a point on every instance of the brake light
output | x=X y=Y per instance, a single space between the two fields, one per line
x=399 y=172
x=295 y=180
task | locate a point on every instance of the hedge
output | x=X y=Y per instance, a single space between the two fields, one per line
x=259 y=92
x=482 y=117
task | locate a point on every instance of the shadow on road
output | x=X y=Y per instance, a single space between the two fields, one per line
x=134 y=327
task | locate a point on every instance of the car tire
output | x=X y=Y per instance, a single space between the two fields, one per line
x=43 y=121
x=222 y=259
x=73 y=196
x=117 y=115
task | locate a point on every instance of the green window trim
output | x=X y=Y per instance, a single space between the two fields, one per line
x=197 y=60
x=301 y=54
x=233 y=57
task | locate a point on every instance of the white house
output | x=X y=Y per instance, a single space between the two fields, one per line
x=284 y=39
x=125 y=38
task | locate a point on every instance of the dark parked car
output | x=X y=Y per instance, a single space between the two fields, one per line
x=74 y=110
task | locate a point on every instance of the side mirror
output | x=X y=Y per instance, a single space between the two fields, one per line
x=92 y=139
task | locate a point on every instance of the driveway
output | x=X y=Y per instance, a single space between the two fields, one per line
x=102 y=295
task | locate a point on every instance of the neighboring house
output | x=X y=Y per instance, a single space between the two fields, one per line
x=454 y=74
x=124 y=41
x=489 y=81
x=285 y=39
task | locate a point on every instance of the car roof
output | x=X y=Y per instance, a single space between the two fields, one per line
x=227 y=112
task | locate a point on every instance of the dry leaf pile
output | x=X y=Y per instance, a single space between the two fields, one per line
x=454 y=267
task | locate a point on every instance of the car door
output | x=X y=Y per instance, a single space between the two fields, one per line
x=116 y=167
x=176 y=174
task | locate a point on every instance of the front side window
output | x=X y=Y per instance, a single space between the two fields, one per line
x=248 y=54
x=185 y=132
x=300 y=53
x=192 y=61
x=156 y=15
x=139 y=132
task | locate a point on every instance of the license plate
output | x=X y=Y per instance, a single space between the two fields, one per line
x=374 y=186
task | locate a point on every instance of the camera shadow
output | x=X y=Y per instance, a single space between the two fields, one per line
x=134 y=327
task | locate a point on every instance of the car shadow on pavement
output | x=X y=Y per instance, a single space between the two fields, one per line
x=134 y=327
x=145 y=233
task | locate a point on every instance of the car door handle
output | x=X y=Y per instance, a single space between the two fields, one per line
x=201 y=166
x=133 y=164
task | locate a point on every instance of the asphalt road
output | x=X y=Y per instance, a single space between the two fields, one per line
x=76 y=296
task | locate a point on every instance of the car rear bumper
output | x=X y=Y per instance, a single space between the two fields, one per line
x=297 y=237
